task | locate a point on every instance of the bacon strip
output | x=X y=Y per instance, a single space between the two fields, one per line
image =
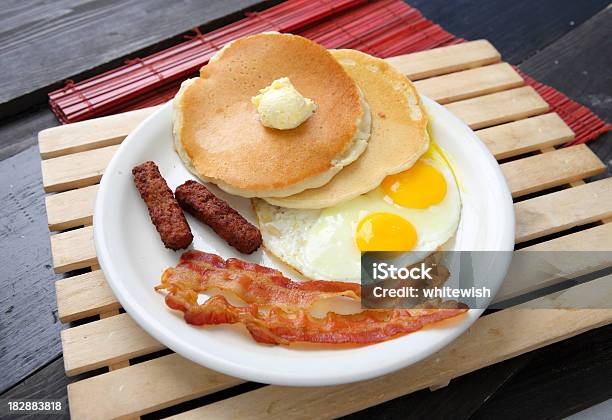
x=199 y=272
x=279 y=327
x=277 y=307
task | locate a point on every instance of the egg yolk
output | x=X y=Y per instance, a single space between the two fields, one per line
x=385 y=232
x=419 y=187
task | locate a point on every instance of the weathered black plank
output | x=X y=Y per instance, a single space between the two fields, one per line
x=21 y=131
x=580 y=64
x=29 y=331
x=560 y=380
x=518 y=29
x=49 y=383
x=43 y=43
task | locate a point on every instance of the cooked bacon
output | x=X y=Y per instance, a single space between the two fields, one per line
x=199 y=272
x=279 y=327
x=277 y=307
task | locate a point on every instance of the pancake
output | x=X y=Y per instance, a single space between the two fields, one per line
x=398 y=138
x=218 y=134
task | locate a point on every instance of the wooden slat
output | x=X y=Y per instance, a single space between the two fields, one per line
x=528 y=135
x=124 y=363
x=499 y=108
x=104 y=342
x=76 y=170
x=492 y=339
x=470 y=83
x=151 y=386
x=73 y=250
x=547 y=170
x=446 y=59
x=90 y=134
x=562 y=210
x=71 y=208
x=83 y=296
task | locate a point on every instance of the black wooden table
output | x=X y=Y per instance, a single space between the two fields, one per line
x=567 y=44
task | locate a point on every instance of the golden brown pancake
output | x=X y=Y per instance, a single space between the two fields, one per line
x=220 y=138
x=398 y=137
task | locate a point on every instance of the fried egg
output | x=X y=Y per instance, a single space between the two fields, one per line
x=415 y=210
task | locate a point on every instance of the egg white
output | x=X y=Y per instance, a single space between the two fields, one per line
x=320 y=243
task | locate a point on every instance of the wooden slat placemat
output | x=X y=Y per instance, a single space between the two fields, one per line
x=470 y=79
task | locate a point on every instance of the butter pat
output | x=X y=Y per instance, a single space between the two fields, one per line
x=281 y=106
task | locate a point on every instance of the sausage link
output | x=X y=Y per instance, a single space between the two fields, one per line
x=165 y=212
x=197 y=200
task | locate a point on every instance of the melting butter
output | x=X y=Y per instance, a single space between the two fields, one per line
x=281 y=106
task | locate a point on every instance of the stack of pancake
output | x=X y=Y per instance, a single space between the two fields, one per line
x=369 y=124
x=322 y=162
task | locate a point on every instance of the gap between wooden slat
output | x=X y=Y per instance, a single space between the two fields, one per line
x=547 y=170
x=470 y=83
x=111 y=130
x=493 y=338
x=75 y=208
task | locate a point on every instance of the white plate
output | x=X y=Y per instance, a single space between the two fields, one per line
x=133 y=258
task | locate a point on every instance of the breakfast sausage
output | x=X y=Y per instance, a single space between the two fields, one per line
x=197 y=200
x=165 y=212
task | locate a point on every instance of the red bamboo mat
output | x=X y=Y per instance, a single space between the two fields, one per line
x=382 y=28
